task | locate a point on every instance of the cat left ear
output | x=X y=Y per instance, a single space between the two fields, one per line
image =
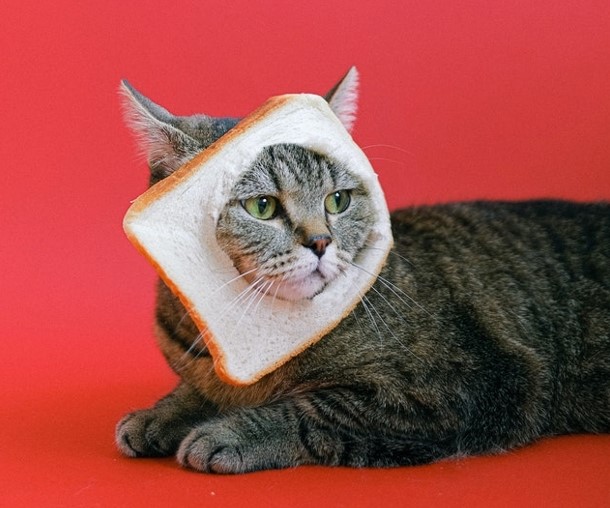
x=343 y=98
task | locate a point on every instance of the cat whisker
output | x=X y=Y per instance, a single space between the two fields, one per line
x=234 y=279
x=400 y=256
x=244 y=294
x=180 y=321
x=256 y=295
x=277 y=289
x=263 y=293
x=393 y=252
x=389 y=328
x=399 y=293
x=381 y=319
x=389 y=304
x=393 y=147
x=368 y=306
x=188 y=353
x=365 y=306
x=186 y=314
x=386 y=159
x=355 y=314
x=254 y=298
x=247 y=294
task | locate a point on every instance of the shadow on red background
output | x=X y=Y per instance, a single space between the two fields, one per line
x=460 y=100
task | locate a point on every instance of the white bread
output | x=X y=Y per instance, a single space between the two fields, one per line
x=173 y=226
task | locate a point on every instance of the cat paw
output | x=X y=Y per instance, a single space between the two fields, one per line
x=213 y=450
x=146 y=433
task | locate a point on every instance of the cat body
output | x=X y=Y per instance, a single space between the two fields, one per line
x=488 y=327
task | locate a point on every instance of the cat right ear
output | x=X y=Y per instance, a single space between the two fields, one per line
x=164 y=145
x=343 y=98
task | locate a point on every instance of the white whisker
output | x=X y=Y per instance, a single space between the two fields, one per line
x=393 y=252
x=263 y=293
x=391 y=331
x=389 y=304
x=252 y=297
x=365 y=306
x=395 y=290
x=368 y=306
x=393 y=147
x=277 y=289
x=385 y=159
x=240 y=276
x=243 y=295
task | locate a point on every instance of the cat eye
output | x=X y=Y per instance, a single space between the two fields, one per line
x=262 y=207
x=337 y=202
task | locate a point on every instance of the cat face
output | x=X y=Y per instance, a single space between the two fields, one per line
x=295 y=220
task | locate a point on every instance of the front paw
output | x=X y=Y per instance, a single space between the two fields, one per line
x=249 y=440
x=213 y=448
x=146 y=433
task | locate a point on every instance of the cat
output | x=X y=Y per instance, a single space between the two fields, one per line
x=487 y=329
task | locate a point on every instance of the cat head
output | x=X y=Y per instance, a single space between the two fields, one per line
x=294 y=220
x=168 y=141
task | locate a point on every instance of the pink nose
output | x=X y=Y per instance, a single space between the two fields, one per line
x=318 y=244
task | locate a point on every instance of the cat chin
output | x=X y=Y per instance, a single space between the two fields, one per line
x=301 y=289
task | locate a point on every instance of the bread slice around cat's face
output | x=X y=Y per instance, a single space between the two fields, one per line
x=175 y=225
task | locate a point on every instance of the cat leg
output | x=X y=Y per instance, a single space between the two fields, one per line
x=158 y=431
x=329 y=428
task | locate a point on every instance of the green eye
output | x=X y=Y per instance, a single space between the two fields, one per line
x=262 y=207
x=337 y=202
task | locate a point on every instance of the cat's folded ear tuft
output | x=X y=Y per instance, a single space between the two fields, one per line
x=343 y=98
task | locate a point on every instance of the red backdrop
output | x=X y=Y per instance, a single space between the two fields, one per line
x=472 y=99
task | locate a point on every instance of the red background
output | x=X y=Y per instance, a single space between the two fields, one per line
x=469 y=99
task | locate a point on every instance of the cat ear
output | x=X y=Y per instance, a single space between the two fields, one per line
x=343 y=98
x=165 y=146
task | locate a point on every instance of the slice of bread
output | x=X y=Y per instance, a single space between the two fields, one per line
x=173 y=225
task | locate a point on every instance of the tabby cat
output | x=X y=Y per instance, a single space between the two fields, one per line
x=488 y=328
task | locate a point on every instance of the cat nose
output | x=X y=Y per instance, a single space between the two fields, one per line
x=318 y=244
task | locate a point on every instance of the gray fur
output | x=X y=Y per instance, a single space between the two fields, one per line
x=488 y=328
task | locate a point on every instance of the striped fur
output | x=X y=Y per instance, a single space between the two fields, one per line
x=275 y=254
x=488 y=328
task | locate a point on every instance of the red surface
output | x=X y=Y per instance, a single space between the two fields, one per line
x=459 y=100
